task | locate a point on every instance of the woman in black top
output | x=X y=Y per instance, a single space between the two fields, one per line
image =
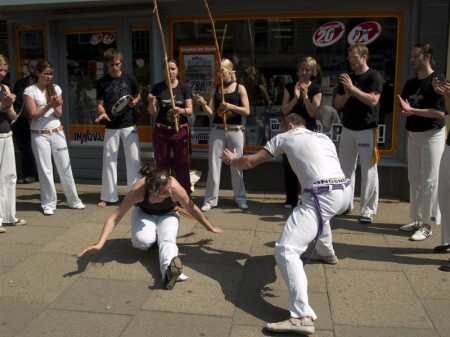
x=165 y=137
x=155 y=220
x=7 y=162
x=227 y=132
x=303 y=98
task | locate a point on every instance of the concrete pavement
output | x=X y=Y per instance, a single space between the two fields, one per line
x=384 y=284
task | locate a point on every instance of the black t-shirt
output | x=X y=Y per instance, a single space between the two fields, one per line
x=232 y=98
x=358 y=116
x=420 y=94
x=110 y=90
x=300 y=108
x=18 y=90
x=4 y=123
x=180 y=93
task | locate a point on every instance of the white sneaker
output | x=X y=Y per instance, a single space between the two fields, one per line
x=206 y=208
x=79 y=206
x=17 y=222
x=292 y=325
x=48 y=211
x=421 y=234
x=412 y=227
x=2 y=230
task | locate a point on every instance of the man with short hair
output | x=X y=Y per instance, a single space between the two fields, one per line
x=425 y=111
x=325 y=194
x=358 y=95
x=21 y=127
x=120 y=125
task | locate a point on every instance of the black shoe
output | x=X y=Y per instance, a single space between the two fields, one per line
x=445 y=267
x=173 y=272
x=442 y=249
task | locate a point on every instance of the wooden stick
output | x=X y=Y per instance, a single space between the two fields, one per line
x=224 y=117
x=166 y=65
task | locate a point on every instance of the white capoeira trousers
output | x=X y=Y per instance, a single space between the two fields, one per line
x=354 y=143
x=148 y=229
x=44 y=147
x=130 y=142
x=8 y=180
x=444 y=195
x=424 y=156
x=301 y=229
x=219 y=140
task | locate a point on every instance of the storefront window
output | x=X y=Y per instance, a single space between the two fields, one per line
x=265 y=53
x=140 y=39
x=84 y=67
x=31 y=45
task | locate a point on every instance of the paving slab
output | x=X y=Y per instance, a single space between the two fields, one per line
x=374 y=298
x=15 y=315
x=54 y=323
x=365 y=331
x=174 y=325
x=103 y=296
x=210 y=290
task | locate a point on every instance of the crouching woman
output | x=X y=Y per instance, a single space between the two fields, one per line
x=154 y=219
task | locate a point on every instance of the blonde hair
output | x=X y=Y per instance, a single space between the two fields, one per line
x=4 y=60
x=312 y=63
x=226 y=63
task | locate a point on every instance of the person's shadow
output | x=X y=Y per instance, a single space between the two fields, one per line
x=258 y=272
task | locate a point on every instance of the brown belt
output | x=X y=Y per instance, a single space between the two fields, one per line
x=170 y=127
x=229 y=127
x=46 y=131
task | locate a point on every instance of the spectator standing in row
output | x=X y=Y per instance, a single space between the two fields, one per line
x=358 y=95
x=111 y=88
x=43 y=101
x=166 y=139
x=425 y=111
x=303 y=98
x=227 y=132
x=21 y=126
x=7 y=160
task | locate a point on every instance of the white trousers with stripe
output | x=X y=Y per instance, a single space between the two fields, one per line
x=46 y=146
x=424 y=156
x=352 y=144
x=219 y=140
x=130 y=142
x=8 y=180
x=300 y=230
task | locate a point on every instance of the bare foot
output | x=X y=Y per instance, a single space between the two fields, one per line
x=102 y=204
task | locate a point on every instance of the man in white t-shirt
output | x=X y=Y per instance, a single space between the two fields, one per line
x=326 y=193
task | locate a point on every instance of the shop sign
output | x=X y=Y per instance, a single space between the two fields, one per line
x=94 y=135
x=365 y=33
x=328 y=34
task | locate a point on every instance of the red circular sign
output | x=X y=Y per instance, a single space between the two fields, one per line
x=365 y=33
x=328 y=34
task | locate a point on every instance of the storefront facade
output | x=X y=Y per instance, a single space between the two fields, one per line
x=264 y=39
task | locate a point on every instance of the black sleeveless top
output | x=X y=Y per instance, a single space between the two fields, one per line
x=232 y=98
x=161 y=208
